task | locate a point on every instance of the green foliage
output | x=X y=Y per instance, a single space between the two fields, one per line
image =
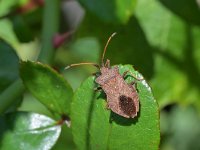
x=95 y=127
x=25 y=130
x=159 y=37
x=47 y=86
x=128 y=46
x=22 y=29
x=189 y=10
x=175 y=128
x=175 y=52
x=116 y=10
x=9 y=67
x=8 y=74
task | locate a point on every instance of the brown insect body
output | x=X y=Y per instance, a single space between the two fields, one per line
x=122 y=98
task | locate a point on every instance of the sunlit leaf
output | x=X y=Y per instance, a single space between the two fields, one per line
x=47 y=86
x=128 y=46
x=176 y=54
x=115 y=10
x=23 y=130
x=95 y=127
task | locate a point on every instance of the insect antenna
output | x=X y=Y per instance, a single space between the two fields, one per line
x=83 y=63
x=104 y=51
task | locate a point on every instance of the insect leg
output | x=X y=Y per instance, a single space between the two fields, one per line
x=107 y=106
x=134 y=83
x=125 y=73
x=96 y=89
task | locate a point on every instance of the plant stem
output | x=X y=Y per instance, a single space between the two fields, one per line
x=8 y=96
x=50 y=28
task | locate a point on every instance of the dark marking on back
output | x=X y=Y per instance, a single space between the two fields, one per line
x=126 y=104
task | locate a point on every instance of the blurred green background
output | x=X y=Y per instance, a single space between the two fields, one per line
x=160 y=38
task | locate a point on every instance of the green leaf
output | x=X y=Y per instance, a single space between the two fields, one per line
x=176 y=52
x=21 y=28
x=93 y=127
x=47 y=86
x=65 y=141
x=112 y=11
x=168 y=32
x=189 y=10
x=31 y=131
x=6 y=6
x=9 y=64
x=7 y=32
x=82 y=50
x=177 y=123
x=128 y=46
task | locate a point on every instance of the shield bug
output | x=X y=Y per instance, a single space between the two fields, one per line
x=122 y=97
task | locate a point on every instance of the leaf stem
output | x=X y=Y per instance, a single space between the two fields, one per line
x=50 y=28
